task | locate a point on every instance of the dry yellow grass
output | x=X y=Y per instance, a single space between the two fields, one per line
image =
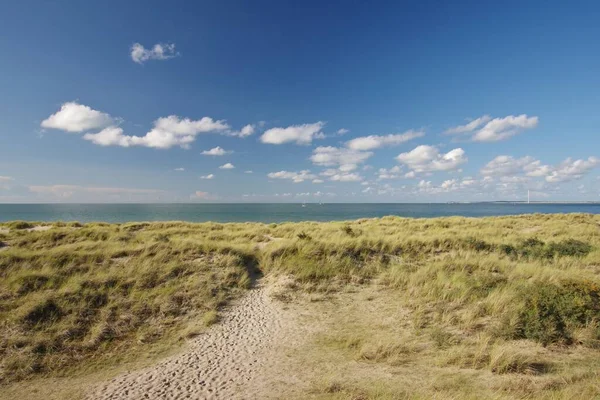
x=499 y=307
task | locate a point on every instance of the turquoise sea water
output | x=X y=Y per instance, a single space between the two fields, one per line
x=269 y=212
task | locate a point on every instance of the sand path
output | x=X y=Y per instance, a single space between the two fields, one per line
x=223 y=363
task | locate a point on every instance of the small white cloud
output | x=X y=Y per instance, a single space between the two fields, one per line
x=470 y=127
x=343 y=131
x=346 y=159
x=160 y=51
x=317 y=181
x=227 y=166
x=216 y=151
x=485 y=129
x=248 y=172
x=75 y=117
x=428 y=159
x=111 y=136
x=300 y=134
x=209 y=176
x=570 y=170
x=180 y=169
x=392 y=173
x=296 y=177
x=342 y=177
x=374 y=141
x=247 y=130
x=506 y=165
x=6 y=179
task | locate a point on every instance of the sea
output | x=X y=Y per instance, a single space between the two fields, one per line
x=269 y=213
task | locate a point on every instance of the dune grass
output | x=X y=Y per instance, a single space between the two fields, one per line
x=508 y=296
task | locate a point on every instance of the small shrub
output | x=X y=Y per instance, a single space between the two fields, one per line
x=551 y=312
x=570 y=247
x=20 y=225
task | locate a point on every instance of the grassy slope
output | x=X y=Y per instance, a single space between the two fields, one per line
x=515 y=297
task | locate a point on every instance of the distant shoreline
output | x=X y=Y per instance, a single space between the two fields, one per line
x=280 y=212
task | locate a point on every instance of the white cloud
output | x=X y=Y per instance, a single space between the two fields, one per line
x=484 y=129
x=75 y=117
x=346 y=159
x=391 y=173
x=373 y=142
x=175 y=131
x=180 y=169
x=160 y=51
x=246 y=131
x=506 y=165
x=510 y=169
x=296 y=177
x=346 y=177
x=216 y=151
x=248 y=172
x=167 y=132
x=209 y=176
x=570 y=170
x=317 y=181
x=470 y=127
x=300 y=134
x=227 y=166
x=6 y=179
x=428 y=159
x=343 y=131
x=449 y=185
x=503 y=128
x=111 y=136
x=535 y=169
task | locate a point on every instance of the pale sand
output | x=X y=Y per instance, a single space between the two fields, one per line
x=232 y=360
x=40 y=228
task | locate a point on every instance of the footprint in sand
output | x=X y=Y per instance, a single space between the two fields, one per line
x=219 y=364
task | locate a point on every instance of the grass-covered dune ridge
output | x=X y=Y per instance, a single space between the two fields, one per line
x=484 y=292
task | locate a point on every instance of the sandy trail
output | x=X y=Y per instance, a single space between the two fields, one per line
x=223 y=363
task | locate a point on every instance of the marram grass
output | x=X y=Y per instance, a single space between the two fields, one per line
x=502 y=294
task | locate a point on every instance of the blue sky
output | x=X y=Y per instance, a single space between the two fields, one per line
x=322 y=101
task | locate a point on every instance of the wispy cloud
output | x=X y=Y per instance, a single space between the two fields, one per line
x=160 y=51
x=485 y=129
x=373 y=142
x=295 y=177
